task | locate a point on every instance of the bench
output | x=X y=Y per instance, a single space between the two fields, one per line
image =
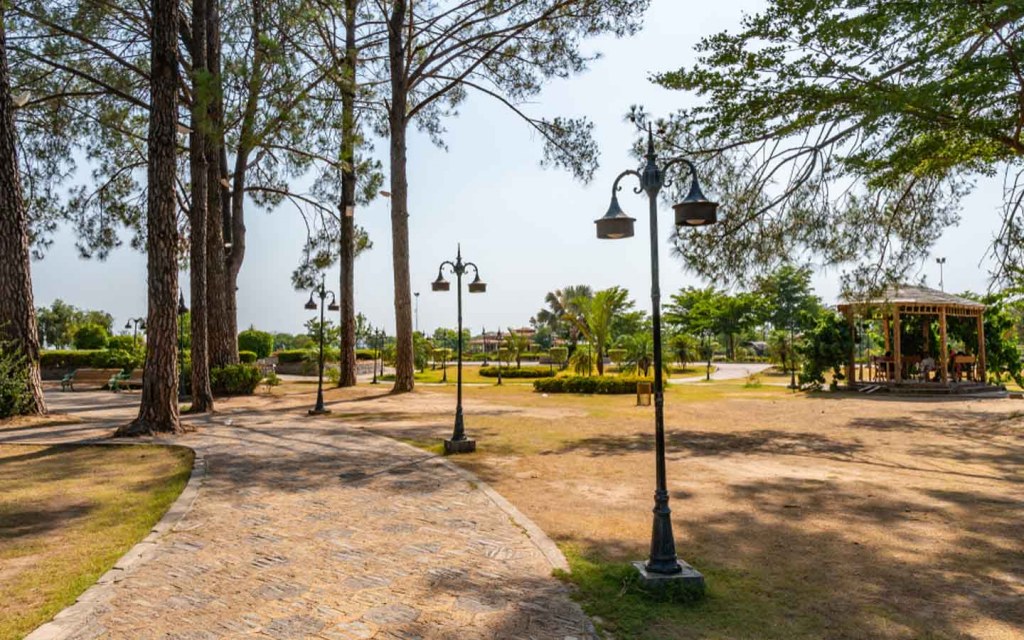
x=125 y=381
x=98 y=378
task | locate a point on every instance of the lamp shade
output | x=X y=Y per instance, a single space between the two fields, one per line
x=615 y=224
x=310 y=304
x=128 y=325
x=695 y=210
x=478 y=285
x=333 y=307
x=440 y=284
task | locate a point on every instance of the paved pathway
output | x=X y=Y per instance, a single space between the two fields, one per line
x=727 y=371
x=307 y=528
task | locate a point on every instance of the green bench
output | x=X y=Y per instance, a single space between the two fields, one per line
x=97 y=378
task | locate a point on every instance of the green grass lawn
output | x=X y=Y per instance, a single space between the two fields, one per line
x=68 y=513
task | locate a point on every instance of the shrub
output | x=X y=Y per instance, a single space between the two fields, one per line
x=247 y=357
x=110 y=358
x=559 y=355
x=588 y=384
x=15 y=398
x=122 y=343
x=512 y=372
x=271 y=380
x=65 y=359
x=365 y=354
x=91 y=336
x=235 y=379
x=296 y=355
x=259 y=342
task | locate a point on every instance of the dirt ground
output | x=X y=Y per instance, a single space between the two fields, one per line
x=821 y=516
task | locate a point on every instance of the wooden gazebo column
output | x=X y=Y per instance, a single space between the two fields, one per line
x=981 y=346
x=943 y=348
x=896 y=346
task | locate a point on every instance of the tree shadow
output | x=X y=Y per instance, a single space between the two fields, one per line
x=18 y=523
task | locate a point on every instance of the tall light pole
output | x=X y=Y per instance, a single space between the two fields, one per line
x=417 y=327
x=322 y=293
x=695 y=210
x=459 y=443
x=373 y=344
x=942 y=263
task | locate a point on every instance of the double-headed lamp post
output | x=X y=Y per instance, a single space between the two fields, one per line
x=321 y=292
x=694 y=211
x=459 y=443
x=137 y=323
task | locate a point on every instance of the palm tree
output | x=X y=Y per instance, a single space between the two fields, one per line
x=562 y=306
x=596 y=317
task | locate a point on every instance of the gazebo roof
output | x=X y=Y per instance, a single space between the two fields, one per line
x=914 y=296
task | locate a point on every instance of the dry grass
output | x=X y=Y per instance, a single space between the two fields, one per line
x=822 y=516
x=67 y=513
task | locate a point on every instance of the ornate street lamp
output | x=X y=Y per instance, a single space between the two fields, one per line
x=380 y=350
x=311 y=305
x=693 y=211
x=499 y=356
x=373 y=345
x=182 y=310
x=138 y=323
x=459 y=443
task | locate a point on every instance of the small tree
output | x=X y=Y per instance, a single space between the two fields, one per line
x=685 y=348
x=559 y=355
x=259 y=342
x=91 y=336
x=824 y=347
x=516 y=345
x=582 y=362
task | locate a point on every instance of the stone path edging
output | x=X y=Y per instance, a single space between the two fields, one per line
x=68 y=619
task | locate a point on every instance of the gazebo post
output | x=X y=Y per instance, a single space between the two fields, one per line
x=885 y=331
x=897 y=356
x=943 y=348
x=851 y=361
x=981 y=346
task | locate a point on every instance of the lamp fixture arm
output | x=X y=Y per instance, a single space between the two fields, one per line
x=466 y=266
x=673 y=162
x=628 y=172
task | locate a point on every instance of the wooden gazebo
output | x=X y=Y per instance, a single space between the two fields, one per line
x=899 y=302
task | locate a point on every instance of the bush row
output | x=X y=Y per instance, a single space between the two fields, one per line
x=311 y=355
x=512 y=372
x=247 y=357
x=235 y=380
x=95 y=358
x=589 y=384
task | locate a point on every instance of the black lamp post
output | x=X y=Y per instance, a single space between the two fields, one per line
x=139 y=323
x=182 y=310
x=322 y=293
x=380 y=350
x=459 y=443
x=695 y=210
x=373 y=345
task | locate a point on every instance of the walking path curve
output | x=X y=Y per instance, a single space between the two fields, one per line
x=309 y=528
x=728 y=371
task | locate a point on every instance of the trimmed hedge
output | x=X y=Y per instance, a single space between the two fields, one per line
x=365 y=354
x=67 y=359
x=589 y=384
x=512 y=372
x=235 y=380
x=295 y=355
x=247 y=357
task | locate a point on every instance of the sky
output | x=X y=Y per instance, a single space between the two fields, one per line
x=529 y=229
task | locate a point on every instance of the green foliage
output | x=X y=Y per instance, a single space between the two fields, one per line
x=63 y=359
x=790 y=302
x=332 y=333
x=59 y=321
x=295 y=355
x=259 y=342
x=617 y=356
x=421 y=350
x=588 y=384
x=1002 y=354
x=563 y=311
x=514 y=347
x=685 y=348
x=123 y=343
x=110 y=358
x=235 y=379
x=247 y=357
x=15 y=397
x=449 y=338
x=519 y=372
x=365 y=354
x=582 y=361
x=559 y=355
x=825 y=347
x=271 y=380
x=91 y=336
x=638 y=356
x=900 y=103
x=597 y=316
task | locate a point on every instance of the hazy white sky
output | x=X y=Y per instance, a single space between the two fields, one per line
x=530 y=230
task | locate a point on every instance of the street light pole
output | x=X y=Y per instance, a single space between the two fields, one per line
x=942 y=263
x=499 y=356
x=137 y=322
x=182 y=310
x=417 y=327
x=459 y=443
x=373 y=340
x=694 y=210
x=321 y=292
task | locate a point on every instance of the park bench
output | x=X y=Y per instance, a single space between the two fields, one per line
x=125 y=381
x=87 y=377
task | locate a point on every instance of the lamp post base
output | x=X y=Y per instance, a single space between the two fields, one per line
x=319 y=412
x=459 y=446
x=689 y=580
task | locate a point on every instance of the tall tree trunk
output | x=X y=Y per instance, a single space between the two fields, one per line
x=159 y=409
x=222 y=342
x=404 y=360
x=17 y=308
x=202 y=395
x=347 y=251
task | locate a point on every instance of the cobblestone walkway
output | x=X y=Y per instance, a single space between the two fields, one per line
x=308 y=528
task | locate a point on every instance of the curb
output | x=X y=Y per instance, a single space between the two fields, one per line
x=73 y=616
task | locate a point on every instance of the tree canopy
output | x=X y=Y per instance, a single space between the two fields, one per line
x=850 y=130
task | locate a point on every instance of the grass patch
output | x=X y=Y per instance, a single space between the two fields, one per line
x=68 y=513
